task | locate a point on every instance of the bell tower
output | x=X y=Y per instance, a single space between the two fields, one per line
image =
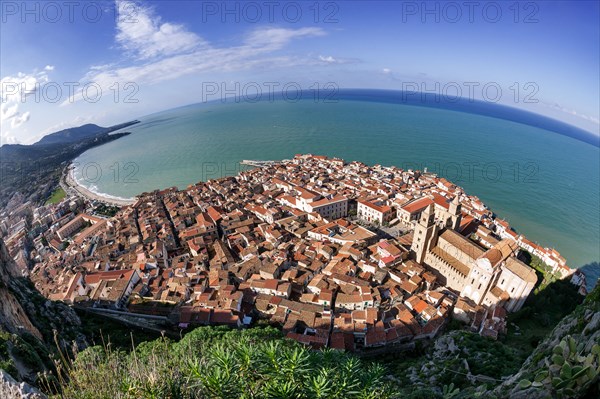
x=455 y=213
x=425 y=232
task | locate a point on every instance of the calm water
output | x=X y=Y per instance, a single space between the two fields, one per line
x=544 y=183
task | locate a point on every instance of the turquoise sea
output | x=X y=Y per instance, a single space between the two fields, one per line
x=544 y=183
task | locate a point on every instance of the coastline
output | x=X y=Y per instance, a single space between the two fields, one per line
x=71 y=186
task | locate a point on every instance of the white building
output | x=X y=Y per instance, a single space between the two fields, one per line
x=334 y=208
x=374 y=212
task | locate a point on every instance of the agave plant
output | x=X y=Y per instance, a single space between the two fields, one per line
x=232 y=365
x=449 y=391
x=568 y=370
x=319 y=386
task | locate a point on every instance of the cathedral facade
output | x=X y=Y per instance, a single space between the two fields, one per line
x=490 y=277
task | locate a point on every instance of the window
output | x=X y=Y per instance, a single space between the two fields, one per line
x=473 y=281
x=502 y=282
x=479 y=287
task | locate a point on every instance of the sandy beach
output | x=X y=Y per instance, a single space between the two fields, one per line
x=71 y=186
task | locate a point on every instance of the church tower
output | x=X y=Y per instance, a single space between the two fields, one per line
x=425 y=232
x=455 y=213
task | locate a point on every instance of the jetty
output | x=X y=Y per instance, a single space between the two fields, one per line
x=259 y=164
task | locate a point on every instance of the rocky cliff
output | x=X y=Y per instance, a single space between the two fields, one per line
x=566 y=364
x=11 y=389
x=13 y=317
x=30 y=325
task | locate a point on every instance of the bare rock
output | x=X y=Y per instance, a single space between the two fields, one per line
x=11 y=389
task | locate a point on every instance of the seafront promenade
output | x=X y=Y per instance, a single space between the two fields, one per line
x=70 y=185
x=259 y=164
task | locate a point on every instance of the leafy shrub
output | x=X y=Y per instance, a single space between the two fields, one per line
x=221 y=363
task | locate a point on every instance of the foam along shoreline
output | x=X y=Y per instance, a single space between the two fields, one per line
x=72 y=186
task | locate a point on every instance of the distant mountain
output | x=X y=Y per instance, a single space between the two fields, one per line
x=72 y=134
x=34 y=170
x=75 y=134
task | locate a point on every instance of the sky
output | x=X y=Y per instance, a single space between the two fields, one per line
x=66 y=63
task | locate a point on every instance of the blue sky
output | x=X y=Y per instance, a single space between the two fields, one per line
x=544 y=56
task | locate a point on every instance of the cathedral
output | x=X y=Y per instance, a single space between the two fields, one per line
x=489 y=277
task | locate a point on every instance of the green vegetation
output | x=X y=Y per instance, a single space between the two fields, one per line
x=99 y=330
x=6 y=362
x=57 y=196
x=29 y=351
x=459 y=360
x=219 y=363
x=35 y=170
x=551 y=300
x=569 y=371
x=543 y=271
x=26 y=353
x=106 y=210
x=459 y=357
x=566 y=364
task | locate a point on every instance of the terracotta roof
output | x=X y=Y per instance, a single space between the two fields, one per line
x=522 y=270
x=462 y=243
x=441 y=201
x=452 y=261
x=417 y=205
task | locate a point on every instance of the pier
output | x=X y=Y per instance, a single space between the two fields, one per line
x=259 y=164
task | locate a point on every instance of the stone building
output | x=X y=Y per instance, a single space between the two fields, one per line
x=490 y=277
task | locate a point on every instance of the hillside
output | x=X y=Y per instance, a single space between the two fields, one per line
x=72 y=134
x=75 y=134
x=215 y=362
x=566 y=364
x=28 y=323
x=34 y=170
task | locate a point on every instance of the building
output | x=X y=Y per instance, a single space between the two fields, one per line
x=487 y=277
x=75 y=225
x=111 y=288
x=374 y=212
x=334 y=208
x=410 y=212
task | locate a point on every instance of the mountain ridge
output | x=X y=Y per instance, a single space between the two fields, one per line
x=34 y=170
x=71 y=134
x=74 y=134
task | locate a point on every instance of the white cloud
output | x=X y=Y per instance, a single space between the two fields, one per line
x=575 y=113
x=19 y=119
x=387 y=70
x=49 y=68
x=7 y=138
x=276 y=38
x=15 y=89
x=164 y=51
x=141 y=32
x=328 y=59
x=8 y=111
x=15 y=92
